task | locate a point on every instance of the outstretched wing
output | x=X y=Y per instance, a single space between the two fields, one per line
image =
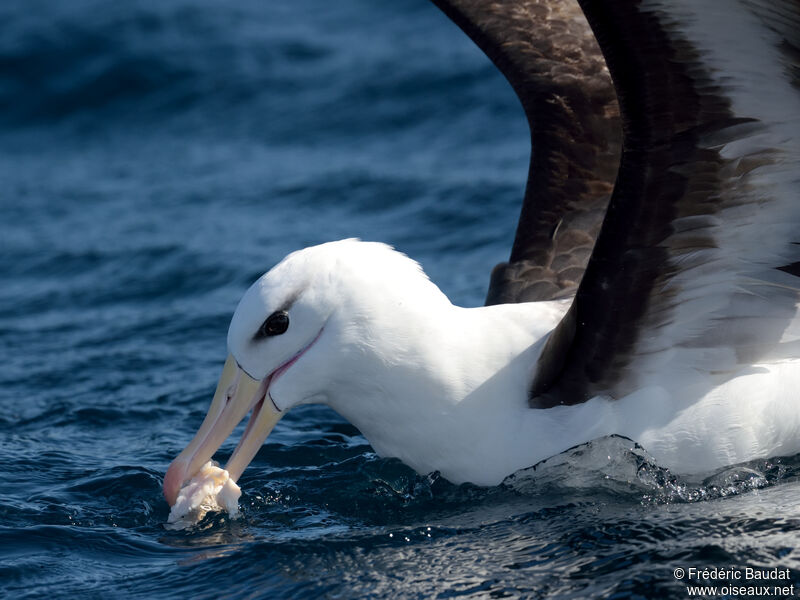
x=696 y=268
x=548 y=53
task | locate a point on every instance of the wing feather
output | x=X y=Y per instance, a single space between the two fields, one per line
x=548 y=53
x=696 y=268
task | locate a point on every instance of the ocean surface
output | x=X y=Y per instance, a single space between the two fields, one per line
x=155 y=158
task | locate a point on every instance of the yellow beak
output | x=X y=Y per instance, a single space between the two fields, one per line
x=237 y=394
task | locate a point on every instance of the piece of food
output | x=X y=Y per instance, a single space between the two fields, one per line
x=211 y=489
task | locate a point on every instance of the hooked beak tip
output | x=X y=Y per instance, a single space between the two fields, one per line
x=173 y=480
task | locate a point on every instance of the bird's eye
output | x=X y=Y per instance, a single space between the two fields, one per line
x=275 y=324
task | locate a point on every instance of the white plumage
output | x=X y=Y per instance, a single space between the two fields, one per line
x=444 y=388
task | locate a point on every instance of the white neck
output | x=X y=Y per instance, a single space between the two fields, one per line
x=464 y=375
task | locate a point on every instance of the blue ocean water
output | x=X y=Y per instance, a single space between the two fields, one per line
x=155 y=158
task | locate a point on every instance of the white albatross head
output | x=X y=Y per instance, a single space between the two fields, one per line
x=300 y=335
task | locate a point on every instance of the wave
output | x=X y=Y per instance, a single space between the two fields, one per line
x=618 y=467
x=235 y=67
x=137 y=60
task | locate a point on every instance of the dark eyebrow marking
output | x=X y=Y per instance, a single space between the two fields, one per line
x=283 y=308
x=289 y=302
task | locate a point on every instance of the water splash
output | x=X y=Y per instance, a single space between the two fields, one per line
x=619 y=467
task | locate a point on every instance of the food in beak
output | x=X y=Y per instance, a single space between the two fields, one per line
x=210 y=490
x=237 y=394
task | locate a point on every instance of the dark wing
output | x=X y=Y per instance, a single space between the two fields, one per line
x=548 y=53
x=696 y=267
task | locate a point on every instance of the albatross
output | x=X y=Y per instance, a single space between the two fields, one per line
x=653 y=285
